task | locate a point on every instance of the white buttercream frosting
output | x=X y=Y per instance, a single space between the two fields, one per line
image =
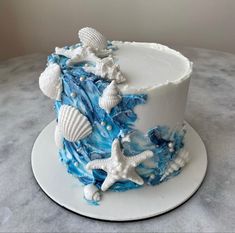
x=149 y=65
x=160 y=72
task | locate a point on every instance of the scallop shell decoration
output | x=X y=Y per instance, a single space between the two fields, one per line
x=58 y=138
x=73 y=125
x=179 y=162
x=110 y=97
x=50 y=83
x=91 y=193
x=92 y=38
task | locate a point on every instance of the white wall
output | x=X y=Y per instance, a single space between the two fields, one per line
x=29 y=26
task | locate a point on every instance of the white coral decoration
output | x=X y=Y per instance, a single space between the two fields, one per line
x=77 y=55
x=179 y=162
x=73 y=124
x=91 y=193
x=50 y=83
x=110 y=97
x=93 y=50
x=119 y=166
x=92 y=38
x=107 y=69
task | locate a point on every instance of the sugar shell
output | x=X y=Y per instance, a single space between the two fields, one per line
x=50 y=83
x=73 y=124
x=92 y=38
x=110 y=97
x=92 y=193
x=179 y=162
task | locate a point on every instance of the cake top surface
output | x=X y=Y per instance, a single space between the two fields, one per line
x=149 y=65
x=137 y=67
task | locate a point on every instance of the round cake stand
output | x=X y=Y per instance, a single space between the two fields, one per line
x=136 y=204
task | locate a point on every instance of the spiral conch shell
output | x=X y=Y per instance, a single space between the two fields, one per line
x=179 y=162
x=58 y=138
x=50 y=83
x=110 y=97
x=92 y=38
x=92 y=193
x=73 y=125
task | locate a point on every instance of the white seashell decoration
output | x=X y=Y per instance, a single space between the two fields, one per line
x=119 y=77
x=179 y=162
x=103 y=66
x=91 y=193
x=50 y=83
x=93 y=50
x=73 y=125
x=107 y=69
x=110 y=97
x=92 y=38
x=58 y=138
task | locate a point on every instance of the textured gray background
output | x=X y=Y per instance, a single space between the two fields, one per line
x=24 y=112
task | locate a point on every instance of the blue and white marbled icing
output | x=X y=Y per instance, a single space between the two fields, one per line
x=122 y=120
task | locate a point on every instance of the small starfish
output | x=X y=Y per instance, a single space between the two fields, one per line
x=119 y=166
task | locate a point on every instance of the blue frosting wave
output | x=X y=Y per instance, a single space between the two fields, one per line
x=122 y=118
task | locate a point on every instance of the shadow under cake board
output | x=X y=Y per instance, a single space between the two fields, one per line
x=132 y=205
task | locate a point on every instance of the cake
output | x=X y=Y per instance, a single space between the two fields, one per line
x=119 y=112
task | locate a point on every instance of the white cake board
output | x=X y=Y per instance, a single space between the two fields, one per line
x=137 y=204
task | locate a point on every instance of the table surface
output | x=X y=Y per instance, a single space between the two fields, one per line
x=24 y=112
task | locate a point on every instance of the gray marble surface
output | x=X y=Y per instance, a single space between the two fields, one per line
x=24 y=112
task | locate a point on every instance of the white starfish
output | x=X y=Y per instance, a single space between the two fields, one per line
x=119 y=166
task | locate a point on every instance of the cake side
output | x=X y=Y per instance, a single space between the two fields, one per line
x=126 y=139
x=160 y=72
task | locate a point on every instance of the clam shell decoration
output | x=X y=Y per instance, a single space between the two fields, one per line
x=50 y=83
x=92 y=193
x=58 y=138
x=179 y=162
x=92 y=38
x=110 y=97
x=73 y=125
